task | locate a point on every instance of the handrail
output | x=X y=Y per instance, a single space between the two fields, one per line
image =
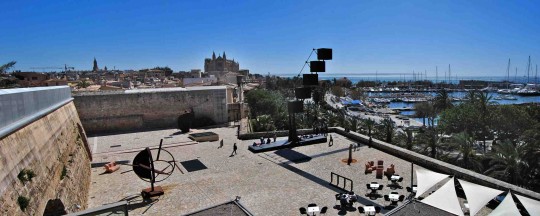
x=117 y=206
x=345 y=179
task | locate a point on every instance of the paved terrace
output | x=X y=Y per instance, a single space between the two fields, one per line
x=267 y=183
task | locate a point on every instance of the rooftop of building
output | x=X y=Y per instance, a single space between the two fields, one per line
x=271 y=183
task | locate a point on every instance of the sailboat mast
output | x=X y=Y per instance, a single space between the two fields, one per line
x=449 y=74
x=508 y=74
x=528 y=68
x=515 y=76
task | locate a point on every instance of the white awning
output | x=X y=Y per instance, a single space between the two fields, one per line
x=477 y=195
x=532 y=206
x=445 y=199
x=425 y=179
x=507 y=207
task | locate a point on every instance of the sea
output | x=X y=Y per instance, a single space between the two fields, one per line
x=454 y=80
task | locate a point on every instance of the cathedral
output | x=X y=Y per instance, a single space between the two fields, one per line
x=220 y=64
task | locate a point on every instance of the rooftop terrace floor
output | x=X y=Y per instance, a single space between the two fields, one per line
x=268 y=184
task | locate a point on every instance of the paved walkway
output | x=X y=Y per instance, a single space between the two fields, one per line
x=268 y=183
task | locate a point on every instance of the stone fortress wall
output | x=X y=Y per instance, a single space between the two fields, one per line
x=136 y=110
x=45 y=138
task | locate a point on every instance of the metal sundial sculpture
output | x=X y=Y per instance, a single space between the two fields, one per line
x=153 y=165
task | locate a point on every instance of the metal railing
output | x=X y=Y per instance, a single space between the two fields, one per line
x=118 y=208
x=338 y=177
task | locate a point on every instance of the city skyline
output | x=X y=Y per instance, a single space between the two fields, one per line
x=476 y=38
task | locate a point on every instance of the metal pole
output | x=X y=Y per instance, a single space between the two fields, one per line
x=412 y=168
x=159 y=149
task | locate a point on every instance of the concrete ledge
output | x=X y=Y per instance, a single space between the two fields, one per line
x=31 y=118
x=437 y=165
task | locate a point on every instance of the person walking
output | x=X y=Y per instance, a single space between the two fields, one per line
x=331 y=142
x=234 y=150
x=221 y=144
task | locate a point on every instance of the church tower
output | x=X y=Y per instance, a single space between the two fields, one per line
x=95 y=68
x=224 y=56
x=213 y=55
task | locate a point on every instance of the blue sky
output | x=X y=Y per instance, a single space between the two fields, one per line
x=476 y=37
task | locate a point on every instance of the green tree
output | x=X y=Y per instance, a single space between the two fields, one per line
x=5 y=67
x=507 y=162
x=83 y=84
x=337 y=91
x=466 y=157
x=369 y=124
x=388 y=126
x=442 y=101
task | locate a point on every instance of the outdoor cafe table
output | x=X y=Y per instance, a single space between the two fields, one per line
x=394 y=178
x=374 y=186
x=369 y=210
x=313 y=209
x=393 y=197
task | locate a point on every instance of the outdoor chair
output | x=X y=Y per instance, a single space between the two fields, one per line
x=393 y=192
x=368 y=187
x=386 y=198
x=380 y=187
x=323 y=210
x=377 y=209
x=312 y=205
x=380 y=163
x=368 y=169
x=338 y=197
x=400 y=179
x=388 y=176
x=371 y=163
x=351 y=193
x=401 y=198
x=361 y=209
x=409 y=189
x=303 y=211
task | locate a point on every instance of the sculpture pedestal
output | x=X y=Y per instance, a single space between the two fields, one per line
x=147 y=193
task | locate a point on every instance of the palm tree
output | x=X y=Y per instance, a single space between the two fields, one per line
x=404 y=139
x=467 y=157
x=507 y=162
x=442 y=101
x=4 y=68
x=369 y=124
x=483 y=101
x=388 y=126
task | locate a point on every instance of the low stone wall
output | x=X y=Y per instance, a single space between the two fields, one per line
x=437 y=165
x=54 y=147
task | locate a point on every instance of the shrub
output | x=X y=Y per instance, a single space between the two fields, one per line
x=23 y=202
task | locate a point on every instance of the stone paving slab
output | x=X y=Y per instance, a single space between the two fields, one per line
x=267 y=183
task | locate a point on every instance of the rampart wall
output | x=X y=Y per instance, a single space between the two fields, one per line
x=53 y=146
x=136 y=110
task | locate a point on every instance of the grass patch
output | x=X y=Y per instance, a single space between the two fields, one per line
x=64 y=173
x=23 y=202
x=26 y=175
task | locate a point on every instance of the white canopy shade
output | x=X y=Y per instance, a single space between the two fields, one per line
x=425 y=179
x=477 y=195
x=532 y=206
x=445 y=199
x=507 y=207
